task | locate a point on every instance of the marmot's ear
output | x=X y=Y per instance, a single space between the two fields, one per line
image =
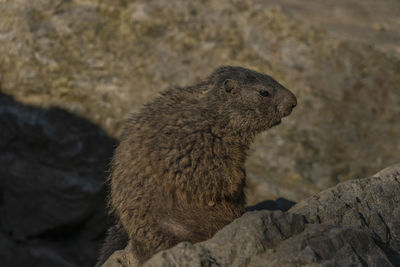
x=231 y=87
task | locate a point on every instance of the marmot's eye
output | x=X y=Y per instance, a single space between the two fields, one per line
x=264 y=93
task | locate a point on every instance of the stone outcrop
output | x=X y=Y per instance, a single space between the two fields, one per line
x=371 y=204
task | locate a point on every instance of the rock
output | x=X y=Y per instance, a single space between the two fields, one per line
x=122 y=258
x=351 y=21
x=371 y=204
x=102 y=60
x=235 y=244
x=325 y=245
x=392 y=172
x=348 y=225
x=52 y=169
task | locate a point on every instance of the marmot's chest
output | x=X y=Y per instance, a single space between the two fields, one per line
x=211 y=185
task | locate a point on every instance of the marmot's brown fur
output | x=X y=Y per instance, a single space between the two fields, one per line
x=178 y=173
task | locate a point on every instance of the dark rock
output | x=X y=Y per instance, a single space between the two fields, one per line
x=52 y=168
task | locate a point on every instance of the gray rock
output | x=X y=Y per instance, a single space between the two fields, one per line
x=389 y=172
x=122 y=258
x=235 y=244
x=325 y=245
x=371 y=204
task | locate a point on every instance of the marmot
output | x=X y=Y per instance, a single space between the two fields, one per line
x=178 y=173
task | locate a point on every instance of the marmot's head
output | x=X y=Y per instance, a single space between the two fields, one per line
x=253 y=101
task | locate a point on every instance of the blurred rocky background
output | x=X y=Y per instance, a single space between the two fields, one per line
x=71 y=72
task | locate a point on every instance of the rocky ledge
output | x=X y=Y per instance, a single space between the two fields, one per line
x=356 y=223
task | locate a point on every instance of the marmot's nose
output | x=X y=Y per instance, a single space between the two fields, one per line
x=292 y=101
x=287 y=108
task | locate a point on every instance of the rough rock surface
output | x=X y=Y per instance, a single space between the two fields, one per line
x=103 y=59
x=122 y=258
x=326 y=245
x=355 y=223
x=234 y=245
x=53 y=166
x=371 y=204
x=367 y=21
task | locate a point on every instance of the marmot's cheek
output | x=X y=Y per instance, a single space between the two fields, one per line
x=271 y=111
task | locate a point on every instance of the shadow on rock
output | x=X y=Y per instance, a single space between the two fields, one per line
x=280 y=204
x=52 y=166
